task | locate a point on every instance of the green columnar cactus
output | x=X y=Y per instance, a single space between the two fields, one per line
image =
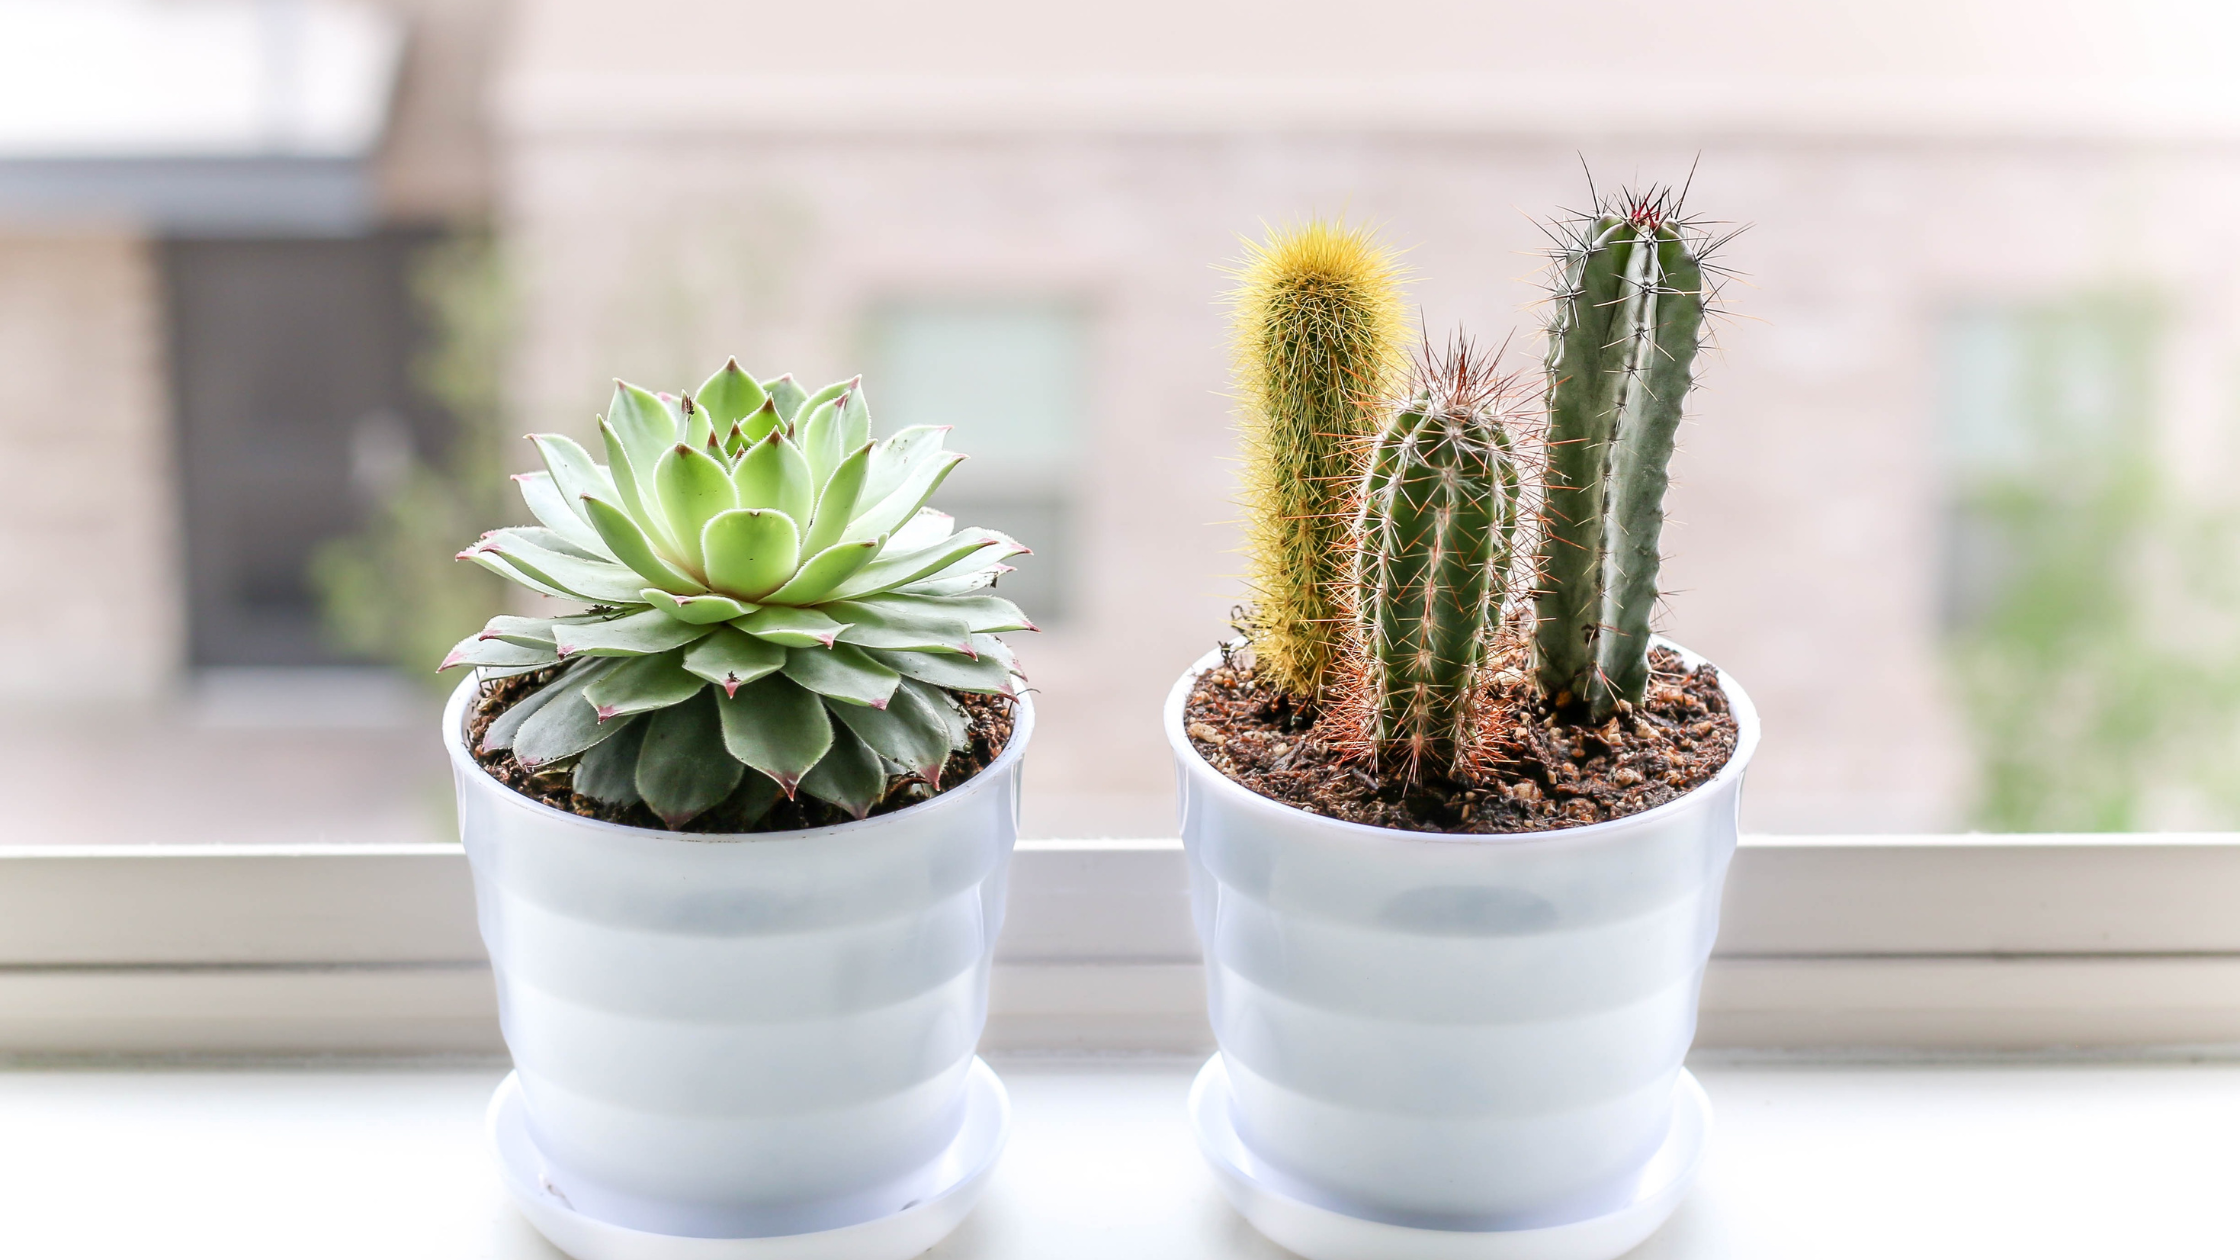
x=1435 y=537
x=1318 y=341
x=1621 y=356
x=773 y=608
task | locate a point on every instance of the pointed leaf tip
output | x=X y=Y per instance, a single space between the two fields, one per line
x=605 y=711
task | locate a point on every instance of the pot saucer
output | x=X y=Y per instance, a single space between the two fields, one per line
x=1320 y=1233
x=896 y=1236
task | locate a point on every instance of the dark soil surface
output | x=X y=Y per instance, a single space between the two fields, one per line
x=1547 y=774
x=991 y=731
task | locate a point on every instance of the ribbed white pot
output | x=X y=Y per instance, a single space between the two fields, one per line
x=1454 y=1032
x=741 y=1035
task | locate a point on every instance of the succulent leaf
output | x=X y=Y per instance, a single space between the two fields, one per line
x=967 y=581
x=753 y=797
x=815 y=579
x=499 y=734
x=694 y=489
x=498 y=564
x=893 y=569
x=643 y=684
x=608 y=770
x=909 y=623
x=640 y=633
x=844 y=673
x=566 y=726
x=683 y=767
x=883 y=518
x=819 y=430
x=646 y=427
x=987 y=614
x=985 y=673
x=923 y=530
x=836 y=502
x=908 y=732
x=634 y=494
x=850 y=775
x=777 y=727
x=700 y=610
x=944 y=707
x=792 y=627
x=542 y=495
x=477 y=650
x=729 y=396
x=762 y=422
x=730 y=659
x=593 y=581
x=526 y=631
x=750 y=551
x=786 y=397
x=855 y=416
x=773 y=473
x=634 y=549
x=574 y=473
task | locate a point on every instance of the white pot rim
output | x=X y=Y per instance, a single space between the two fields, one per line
x=1746 y=744
x=463 y=762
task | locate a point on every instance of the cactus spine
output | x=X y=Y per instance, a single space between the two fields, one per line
x=1318 y=339
x=1435 y=537
x=1621 y=356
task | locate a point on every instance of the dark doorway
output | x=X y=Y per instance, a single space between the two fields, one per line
x=291 y=377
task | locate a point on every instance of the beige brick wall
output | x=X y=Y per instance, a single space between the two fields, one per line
x=1804 y=536
x=89 y=545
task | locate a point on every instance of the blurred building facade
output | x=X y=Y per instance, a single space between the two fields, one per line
x=1012 y=219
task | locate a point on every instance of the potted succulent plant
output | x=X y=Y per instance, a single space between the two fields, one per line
x=1457 y=824
x=739 y=829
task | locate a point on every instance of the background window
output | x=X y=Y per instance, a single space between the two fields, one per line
x=1011 y=378
x=296 y=414
x=2078 y=578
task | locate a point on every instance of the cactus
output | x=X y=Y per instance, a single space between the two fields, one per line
x=1621 y=354
x=1434 y=540
x=1318 y=340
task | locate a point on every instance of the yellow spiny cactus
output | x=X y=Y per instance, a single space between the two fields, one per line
x=1320 y=340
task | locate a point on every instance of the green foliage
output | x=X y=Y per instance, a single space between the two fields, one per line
x=2096 y=639
x=386 y=591
x=1318 y=336
x=769 y=596
x=1628 y=313
x=1435 y=539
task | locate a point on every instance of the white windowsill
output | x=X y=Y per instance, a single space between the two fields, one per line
x=1924 y=942
x=1831 y=1161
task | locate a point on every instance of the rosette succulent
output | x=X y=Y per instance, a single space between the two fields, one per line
x=772 y=606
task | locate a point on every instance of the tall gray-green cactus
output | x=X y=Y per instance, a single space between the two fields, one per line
x=1435 y=537
x=1621 y=359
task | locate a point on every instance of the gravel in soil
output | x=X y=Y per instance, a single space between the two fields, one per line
x=991 y=731
x=1547 y=774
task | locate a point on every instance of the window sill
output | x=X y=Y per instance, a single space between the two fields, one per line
x=1830 y=1160
x=1920 y=942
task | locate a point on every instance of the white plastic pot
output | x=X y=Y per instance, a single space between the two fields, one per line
x=1460 y=1043
x=751 y=1036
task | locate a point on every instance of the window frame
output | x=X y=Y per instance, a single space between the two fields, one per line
x=1923 y=942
